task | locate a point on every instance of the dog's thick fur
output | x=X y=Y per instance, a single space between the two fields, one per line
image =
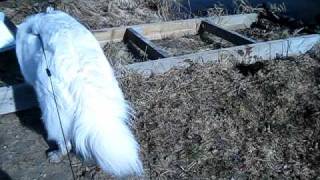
x=93 y=111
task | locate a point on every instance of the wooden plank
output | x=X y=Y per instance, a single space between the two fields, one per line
x=137 y=53
x=242 y=54
x=21 y=97
x=160 y=30
x=152 y=51
x=16 y=98
x=230 y=36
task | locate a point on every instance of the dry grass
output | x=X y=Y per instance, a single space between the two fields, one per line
x=223 y=121
x=118 y=53
x=217 y=10
x=244 y=6
x=96 y=14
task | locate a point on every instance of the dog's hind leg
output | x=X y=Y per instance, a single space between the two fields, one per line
x=57 y=126
x=55 y=156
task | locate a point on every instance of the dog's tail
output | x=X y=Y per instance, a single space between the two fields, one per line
x=102 y=132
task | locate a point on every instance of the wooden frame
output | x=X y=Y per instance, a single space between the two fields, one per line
x=244 y=54
x=155 y=31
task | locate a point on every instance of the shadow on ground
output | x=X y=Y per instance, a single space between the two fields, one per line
x=10 y=74
x=4 y=175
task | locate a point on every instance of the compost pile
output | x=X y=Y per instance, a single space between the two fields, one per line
x=230 y=121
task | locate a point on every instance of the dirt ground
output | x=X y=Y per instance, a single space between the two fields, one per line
x=23 y=152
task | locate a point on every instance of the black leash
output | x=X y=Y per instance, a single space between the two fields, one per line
x=56 y=104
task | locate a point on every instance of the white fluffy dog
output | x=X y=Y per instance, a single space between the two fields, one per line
x=94 y=114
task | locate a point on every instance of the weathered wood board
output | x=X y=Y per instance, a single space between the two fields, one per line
x=230 y=36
